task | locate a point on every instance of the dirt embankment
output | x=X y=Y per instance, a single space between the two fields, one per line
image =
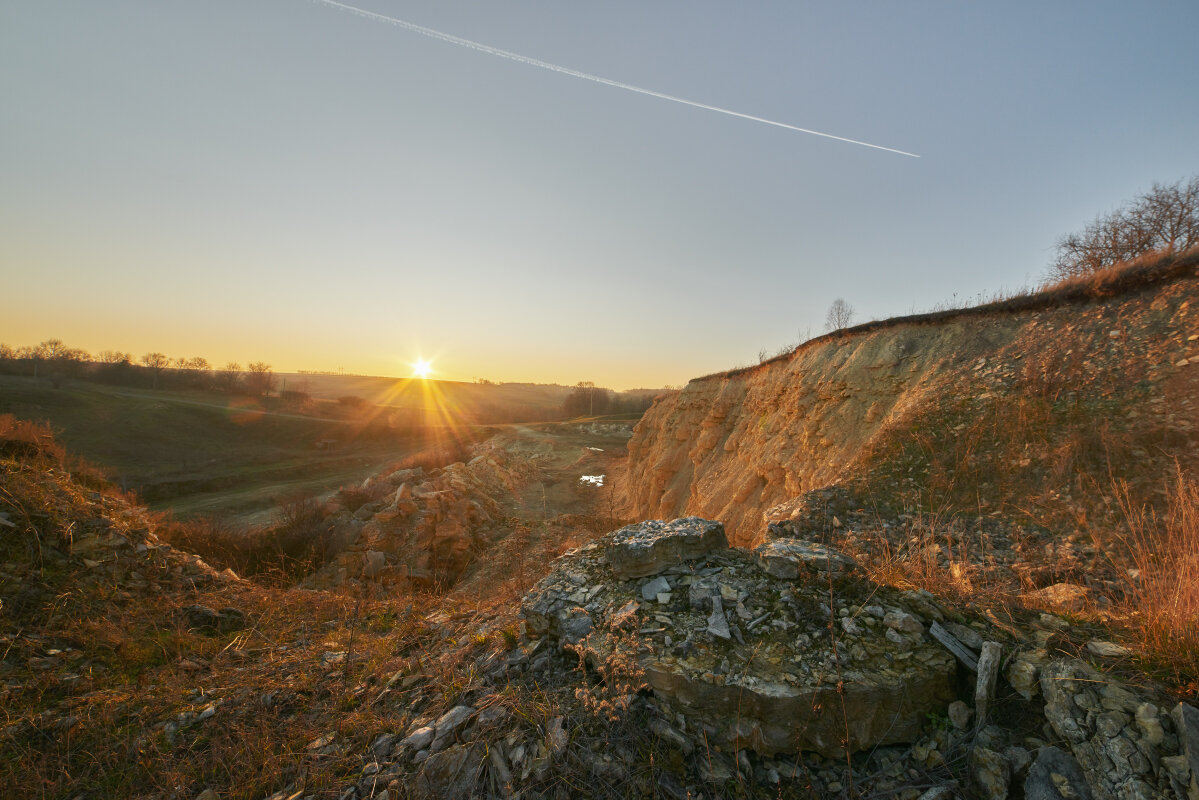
x=972 y=409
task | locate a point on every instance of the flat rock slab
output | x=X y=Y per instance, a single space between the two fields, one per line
x=647 y=548
x=790 y=558
x=746 y=657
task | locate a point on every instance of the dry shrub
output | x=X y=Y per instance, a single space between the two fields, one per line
x=299 y=544
x=943 y=555
x=1163 y=595
x=612 y=675
x=435 y=457
x=27 y=440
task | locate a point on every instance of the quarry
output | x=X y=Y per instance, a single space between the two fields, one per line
x=898 y=561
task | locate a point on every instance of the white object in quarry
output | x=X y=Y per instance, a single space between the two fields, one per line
x=594 y=480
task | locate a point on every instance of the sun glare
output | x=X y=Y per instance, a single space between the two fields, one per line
x=421 y=369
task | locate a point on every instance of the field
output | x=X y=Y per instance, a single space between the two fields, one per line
x=478 y=401
x=203 y=453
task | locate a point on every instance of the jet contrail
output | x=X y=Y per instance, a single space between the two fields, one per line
x=574 y=73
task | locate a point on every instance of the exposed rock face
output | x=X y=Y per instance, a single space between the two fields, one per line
x=735 y=445
x=1111 y=732
x=747 y=656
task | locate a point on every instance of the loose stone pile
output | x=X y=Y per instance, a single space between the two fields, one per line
x=751 y=673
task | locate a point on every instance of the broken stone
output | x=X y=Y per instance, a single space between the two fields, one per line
x=647 y=548
x=1068 y=597
x=450 y=773
x=790 y=558
x=373 y=563
x=1149 y=724
x=447 y=726
x=667 y=732
x=655 y=587
x=1090 y=712
x=1024 y=671
x=1186 y=722
x=718 y=624
x=959 y=714
x=771 y=687
x=990 y=773
x=1018 y=759
x=902 y=621
x=1106 y=649
x=556 y=738
x=575 y=625
x=1055 y=775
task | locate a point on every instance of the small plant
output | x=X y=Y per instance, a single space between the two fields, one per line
x=510 y=638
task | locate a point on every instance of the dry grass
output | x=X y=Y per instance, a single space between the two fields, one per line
x=126 y=726
x=1160 y=556
x=1154 y=269
x=278 y=554
x=436 y=456
x=104 y=676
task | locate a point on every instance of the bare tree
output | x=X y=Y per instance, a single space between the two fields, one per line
x=115 y=357
x=587 y=398
x=840 y=314
x=259 y=379
x=1164 y=219
x=230 y=376
x=156 y=363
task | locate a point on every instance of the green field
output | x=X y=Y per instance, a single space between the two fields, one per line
x=204 y=453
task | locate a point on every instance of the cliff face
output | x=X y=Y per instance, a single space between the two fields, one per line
x=851 y=408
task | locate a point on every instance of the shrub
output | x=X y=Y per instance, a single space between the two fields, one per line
x=301 y=542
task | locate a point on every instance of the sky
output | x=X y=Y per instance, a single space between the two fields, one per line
x=289 y=182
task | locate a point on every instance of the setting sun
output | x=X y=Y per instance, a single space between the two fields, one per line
x=421 y=369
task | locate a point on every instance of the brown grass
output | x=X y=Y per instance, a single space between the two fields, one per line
x=1149 y=271
x=436 y=456
x=297 y=546
x=1162 y=552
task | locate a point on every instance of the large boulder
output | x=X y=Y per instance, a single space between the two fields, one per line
x=647 y=548
x=747 y=658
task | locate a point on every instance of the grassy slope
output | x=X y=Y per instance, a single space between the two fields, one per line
x=471 y=398
x=182 y=448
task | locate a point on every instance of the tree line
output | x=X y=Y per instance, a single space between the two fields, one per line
x=588 y=400
x=55 y=360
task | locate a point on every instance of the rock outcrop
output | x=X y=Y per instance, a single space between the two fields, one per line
x=1123 y=744
x=425 y=526
x=782 y=650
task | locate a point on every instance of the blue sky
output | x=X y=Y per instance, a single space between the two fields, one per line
x=283 y=181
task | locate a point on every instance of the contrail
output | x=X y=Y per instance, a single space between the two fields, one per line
x=574 y=73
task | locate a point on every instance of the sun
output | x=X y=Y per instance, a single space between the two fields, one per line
x=421 y=369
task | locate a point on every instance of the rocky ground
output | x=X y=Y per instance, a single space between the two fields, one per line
x=654 y=660
x=490 y=628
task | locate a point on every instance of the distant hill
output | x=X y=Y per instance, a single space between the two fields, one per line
x=483 y=402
